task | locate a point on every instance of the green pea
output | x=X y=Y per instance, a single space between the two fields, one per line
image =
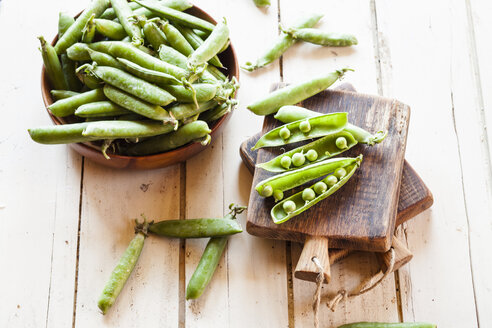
x=341 y=143
x=267 y=191
x=298 y=159
x=285 y=162
x=284 y=133
x=312 y=155
x=320 y=187
x=340 y=173
x=289 y=206
x=278 y=195
x=305 y=126
x=331 y=180
x=308 y=194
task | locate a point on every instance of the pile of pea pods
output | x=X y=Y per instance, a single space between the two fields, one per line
x=311 y=161
x=136 y=78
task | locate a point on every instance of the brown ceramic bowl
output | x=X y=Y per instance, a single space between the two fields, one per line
x=92 y=152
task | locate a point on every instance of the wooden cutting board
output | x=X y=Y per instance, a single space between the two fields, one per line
x=361 y=215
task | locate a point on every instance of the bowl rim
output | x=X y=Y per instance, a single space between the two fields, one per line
x=48 y=100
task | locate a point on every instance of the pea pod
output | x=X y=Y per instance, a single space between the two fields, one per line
x=313 y=35
x=283 y=43
x=74 y=32
x=204 y=92
x=125 y=129
x=154 y=35
x=79 y=52
x=89 y=30
x=288 y=114
x=182 y=111
x=137 y=105
x=211 y=46
x=175 y=38
x=278 y=213
x=110 y=14
x=185 y=134
x=180 y=5
x=196 y=228
x=64 y=22
x=52 y=65
x=60 y=134
x=176 y=16
x=209 y=260
x=62 y=94
x=195 y=41
x=101 y=109
x=124 y=13
x=388 y=325
x=261 y=3
x=66 y=107
x=110 y=29
x=214 y=114
x=294 y=93
x=324 y=147
x=148 y=74
x=123 y=269
x=68 y=68
x=291 y=179
x=102 y=59
x=320 y=126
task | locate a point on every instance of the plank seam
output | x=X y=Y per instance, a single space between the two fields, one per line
x=182 y=249
x=51 y=264
x=78 y=243
x=281 y=59
x=377 y=54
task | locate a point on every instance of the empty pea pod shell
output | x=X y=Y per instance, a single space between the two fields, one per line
x=196 y=228
x=279 y=215
x=325 y=147
x=291 y=179
x=320 y=126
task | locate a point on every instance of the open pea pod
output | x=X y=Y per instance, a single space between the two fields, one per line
x=324 y=148
x=292 y=179
x=318 y=126
x=278 y=213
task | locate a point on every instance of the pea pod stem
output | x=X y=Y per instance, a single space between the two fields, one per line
x=195 y=228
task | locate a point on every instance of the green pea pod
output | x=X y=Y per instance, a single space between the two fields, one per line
x=294 y=93
x=124 y=13
x=214 y=114
x=313 y=35
x=204 y=92
x=66 y=107
x=137 y=105
x=210 y=259
x=138 y=10
x=110 y=29
x=101 y=109
x=62 y=94
x=175 y=38
x=148 y=74
x=325 y=148
x=126 y=129
x=182 y=111
x=288 y=114
x=176 y=16
x=196 y=228
x=89 y=30
x=79 y=52
x=185 y=134
x=60 y=134
x=291 y=179
x=388 y=325
x=68 y=68
x=52 y=65
x=91 y=81
x=283 y=43
x=110 y=14
x=278 y=213
x=123 y=269
x=211 y=46
x=154 y=35
x=74 y=32
x=320 y=126
x=64 y=22
x=262 y=3
x=102 y=59
x=195 y=41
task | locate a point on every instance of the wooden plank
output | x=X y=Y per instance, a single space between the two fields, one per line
x=256 y=278
x=305 y=60
x=435 y=43
x=111 y=200
x=40 y=185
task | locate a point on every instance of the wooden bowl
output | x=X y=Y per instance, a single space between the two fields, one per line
x=90 y=151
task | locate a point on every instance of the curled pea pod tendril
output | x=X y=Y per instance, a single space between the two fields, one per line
x=278 y=213
x=205 y=141
x=105 y=146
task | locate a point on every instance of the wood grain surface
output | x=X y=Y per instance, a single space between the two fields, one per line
x=365 y=213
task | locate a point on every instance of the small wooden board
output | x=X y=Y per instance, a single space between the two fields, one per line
x=362 y=214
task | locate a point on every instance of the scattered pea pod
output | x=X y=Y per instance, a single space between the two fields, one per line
x=67 y=106
x=301 y=201
x=110 y=29
x=388 y=325
x=209 y=260
x=316 y=151
x=60 y=134
x=262 y=3
x=291 y=179
x=123 y=269
x=52 y=65
x=124 y=13
x=294 y=93
x=313 y=35
x=283 y=43
x=289 y=133
x=196 y=228
x=288 y=114
x=211 y=46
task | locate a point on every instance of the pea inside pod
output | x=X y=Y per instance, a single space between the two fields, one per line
x=320 y=126
x=303 y=200
x=291 y=179
x=325 y=148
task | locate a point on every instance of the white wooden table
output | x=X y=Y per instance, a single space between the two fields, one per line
x=65 y=221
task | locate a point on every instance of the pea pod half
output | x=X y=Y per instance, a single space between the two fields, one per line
x=291 y=179
x=319 y=126
x=196 y=228
x=324 y=148
x=280 y=215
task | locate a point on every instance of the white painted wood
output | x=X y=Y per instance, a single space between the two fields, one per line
x=421 y=69
x=111 y=200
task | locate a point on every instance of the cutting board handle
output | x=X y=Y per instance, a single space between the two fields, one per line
x=306 y=269
x=402 y=255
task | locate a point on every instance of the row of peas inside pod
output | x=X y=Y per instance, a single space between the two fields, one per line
x=333 y=135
